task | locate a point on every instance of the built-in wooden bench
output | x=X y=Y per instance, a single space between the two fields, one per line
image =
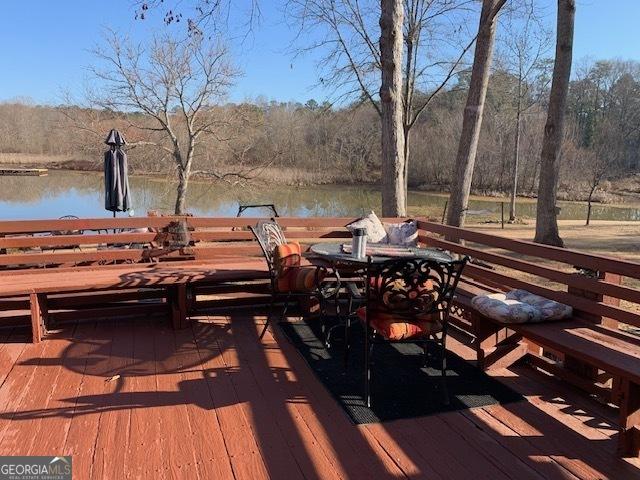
x=588 y=350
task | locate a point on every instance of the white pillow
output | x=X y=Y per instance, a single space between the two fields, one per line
x=506 y=310
x=373 y=226
x=520 y=306
x=405 y=233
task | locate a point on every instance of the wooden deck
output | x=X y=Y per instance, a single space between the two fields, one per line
x=137 y=399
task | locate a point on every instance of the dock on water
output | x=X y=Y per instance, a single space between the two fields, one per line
x=31 y=172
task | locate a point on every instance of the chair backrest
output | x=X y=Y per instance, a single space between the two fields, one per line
x=268 y=206
x=269 y=235
x=415 y=286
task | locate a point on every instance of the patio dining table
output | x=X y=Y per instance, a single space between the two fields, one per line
x=352 y=272
x=339 y=255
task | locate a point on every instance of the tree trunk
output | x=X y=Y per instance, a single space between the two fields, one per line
x=593 y=189
x=181 y=198
x=407 y=139
x=407 y=108
x=393 y=163
x=514 y=179
x=472 y=119
x=184 y=172
x=547 y=213
x=534 y=177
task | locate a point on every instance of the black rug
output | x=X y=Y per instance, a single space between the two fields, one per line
x=401 y=386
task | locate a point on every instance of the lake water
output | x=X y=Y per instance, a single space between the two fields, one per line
x=81 y=194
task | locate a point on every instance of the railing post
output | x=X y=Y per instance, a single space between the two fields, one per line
x=598 y=297
x=572 y=364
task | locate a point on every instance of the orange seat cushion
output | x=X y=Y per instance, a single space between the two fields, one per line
x=398 y=327
x=298 y=279
x=291 y=277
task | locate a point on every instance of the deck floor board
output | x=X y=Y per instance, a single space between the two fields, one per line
x=271 y=375
x=80 y=441
x=136 y=399
x=112 y=387
x=25 y=428
x=51 y=433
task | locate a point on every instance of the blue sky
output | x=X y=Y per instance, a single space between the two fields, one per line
x=45 y=45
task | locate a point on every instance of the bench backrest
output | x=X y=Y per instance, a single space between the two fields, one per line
x=28 y=244
x=599 y=288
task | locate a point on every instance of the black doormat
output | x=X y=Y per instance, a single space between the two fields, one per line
x=401 y=386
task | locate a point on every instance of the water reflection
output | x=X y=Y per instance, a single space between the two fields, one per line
x=78 y=193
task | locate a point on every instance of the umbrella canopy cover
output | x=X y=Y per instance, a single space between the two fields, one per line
x=117 y=197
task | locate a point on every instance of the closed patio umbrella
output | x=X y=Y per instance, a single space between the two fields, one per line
x=117 y=197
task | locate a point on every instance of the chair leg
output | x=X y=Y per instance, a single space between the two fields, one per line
x=347 y=341
x=368 y=352
x=326 y=332
x=283 y=316
x=443 y=369
x=347 y=328
x=322 y=302
x=367 y=373
x=269 y=314
x=425 y=352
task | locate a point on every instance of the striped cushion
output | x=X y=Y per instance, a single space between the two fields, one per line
x=287 y=255
x=396 y=327
x=298 y=279
x=291 y=276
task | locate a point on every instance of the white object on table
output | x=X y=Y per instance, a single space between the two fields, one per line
x=359 y=243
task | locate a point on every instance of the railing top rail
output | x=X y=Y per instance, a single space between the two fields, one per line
x=599 y=263
x=48 y=225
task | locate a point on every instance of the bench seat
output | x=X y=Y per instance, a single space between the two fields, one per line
x=130 y=276
x=580 y=341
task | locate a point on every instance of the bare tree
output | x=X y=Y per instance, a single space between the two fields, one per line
x=598 y=167
x=352 y=63
x=547 y=213
x=472 y=119
x=607 y=153
x=526 y=42
x=174 y=85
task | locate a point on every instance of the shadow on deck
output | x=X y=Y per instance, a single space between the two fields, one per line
x=138 y=399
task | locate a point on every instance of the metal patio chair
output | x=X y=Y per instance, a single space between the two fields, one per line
x=289 y=280
x=408 y=300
